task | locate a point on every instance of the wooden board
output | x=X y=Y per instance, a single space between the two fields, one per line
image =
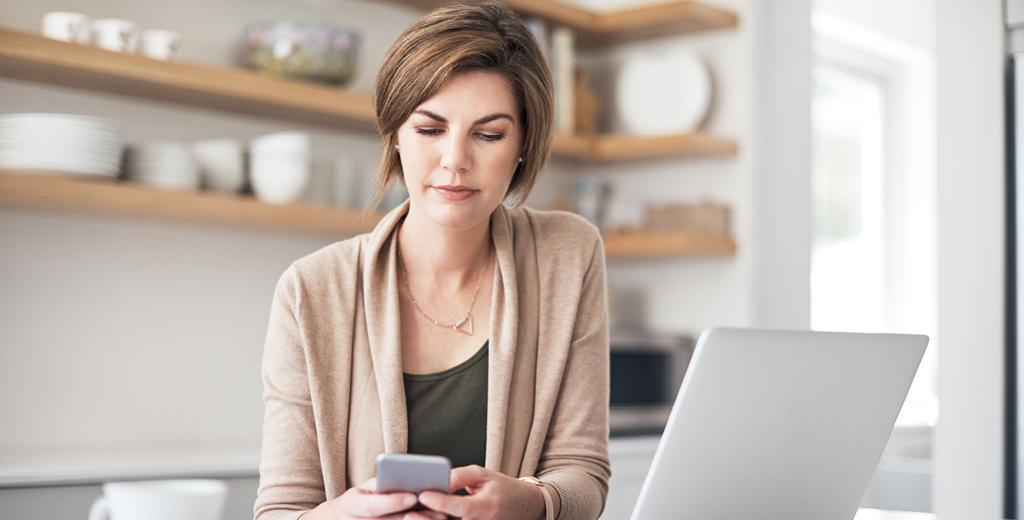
x=654 y=245
x=596 y=29
x=55 y=191
x=617 y=147
x=28 y=56
x=32 y=57
x=63 y=192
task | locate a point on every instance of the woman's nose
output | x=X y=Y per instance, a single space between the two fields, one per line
x=456 y=155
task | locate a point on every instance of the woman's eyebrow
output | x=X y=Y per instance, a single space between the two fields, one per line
x=480 y=121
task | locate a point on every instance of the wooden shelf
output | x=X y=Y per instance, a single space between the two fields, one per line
x=62 y=192
x=639 y=245
x=55 y=191
x=32 y=57
x=607 y=148
x=602 y=28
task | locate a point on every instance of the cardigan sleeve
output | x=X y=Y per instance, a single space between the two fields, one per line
x=575 y=456
x=291 y=480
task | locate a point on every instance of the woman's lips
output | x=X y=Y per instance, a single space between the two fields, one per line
x=454 y=193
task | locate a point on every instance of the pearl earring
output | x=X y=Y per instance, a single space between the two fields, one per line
x=520 y=159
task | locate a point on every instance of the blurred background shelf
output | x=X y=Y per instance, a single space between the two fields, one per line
x=603 y=28
x=640 y=245
x=62 y=192
x=30 y=57
x=55 y=191
x=607 y=148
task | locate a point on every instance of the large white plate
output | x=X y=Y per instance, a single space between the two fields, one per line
x=663 y=94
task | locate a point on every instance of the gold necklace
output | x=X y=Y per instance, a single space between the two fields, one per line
x=457 y=326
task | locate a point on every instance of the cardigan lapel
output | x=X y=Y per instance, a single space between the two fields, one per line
x=380 y=278
x=503 y=339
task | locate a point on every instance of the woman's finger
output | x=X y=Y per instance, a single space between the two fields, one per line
x=417 y=515
x=454 y=505
x=424 y=515
x=467 y=476
x=369 y=504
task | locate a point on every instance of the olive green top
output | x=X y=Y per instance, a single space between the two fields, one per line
x=448 y=411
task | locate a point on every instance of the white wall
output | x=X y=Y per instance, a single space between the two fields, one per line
x=782 y=184
x=905 y=20
x=969 y=125
x=127 y=334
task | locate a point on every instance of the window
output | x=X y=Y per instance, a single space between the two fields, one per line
x=873 y=196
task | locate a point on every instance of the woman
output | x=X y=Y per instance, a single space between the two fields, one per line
x=457 y=326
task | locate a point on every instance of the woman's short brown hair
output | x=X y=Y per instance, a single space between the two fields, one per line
x=461 y=38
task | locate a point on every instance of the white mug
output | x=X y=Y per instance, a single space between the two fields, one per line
x=115 y=34
x=66 y=26
x=161 y=500
x=160 y=44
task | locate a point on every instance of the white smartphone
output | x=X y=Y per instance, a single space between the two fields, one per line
x=412 y=473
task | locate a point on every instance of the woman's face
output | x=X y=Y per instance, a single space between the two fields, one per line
x=460 y=148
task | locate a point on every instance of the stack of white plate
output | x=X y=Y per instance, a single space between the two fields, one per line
x=163 y=164
x=60 y=142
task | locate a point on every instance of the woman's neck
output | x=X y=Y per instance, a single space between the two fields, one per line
x=442 y=256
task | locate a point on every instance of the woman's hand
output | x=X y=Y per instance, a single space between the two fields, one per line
x=492 y=495
x=364 y=502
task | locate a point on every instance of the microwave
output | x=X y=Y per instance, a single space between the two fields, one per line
x=646 y=371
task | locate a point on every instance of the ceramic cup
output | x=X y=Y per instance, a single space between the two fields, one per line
x=66 y=26
x=115 y=34
x=161 y=500
x=280 y=166
x=222 y=164
x=159 y=44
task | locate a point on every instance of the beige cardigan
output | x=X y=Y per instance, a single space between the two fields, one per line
x=332 y=365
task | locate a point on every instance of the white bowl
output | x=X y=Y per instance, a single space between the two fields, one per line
x=222 y=164
x=280 y=181
x=281 y=142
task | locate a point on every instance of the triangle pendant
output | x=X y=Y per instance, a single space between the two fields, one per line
x=465 y=326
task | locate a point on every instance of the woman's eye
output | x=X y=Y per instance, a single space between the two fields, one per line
x=436 y=131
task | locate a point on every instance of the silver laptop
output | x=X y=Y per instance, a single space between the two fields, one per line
x=779 y=425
